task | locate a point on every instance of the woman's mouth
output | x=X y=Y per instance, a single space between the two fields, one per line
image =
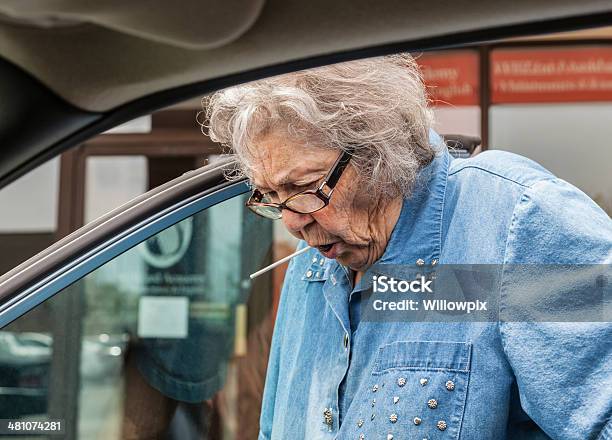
x=329 y=250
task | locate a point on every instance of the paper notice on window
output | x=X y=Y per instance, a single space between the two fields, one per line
x=163 y=317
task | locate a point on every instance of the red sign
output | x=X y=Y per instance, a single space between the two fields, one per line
x=451 y=77
x=551 y=75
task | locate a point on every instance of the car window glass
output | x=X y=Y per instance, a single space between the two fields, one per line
x=169 y=337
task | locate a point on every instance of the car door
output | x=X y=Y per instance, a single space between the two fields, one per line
x=145 y=322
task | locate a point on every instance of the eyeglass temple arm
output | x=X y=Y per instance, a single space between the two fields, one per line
x=340 y=166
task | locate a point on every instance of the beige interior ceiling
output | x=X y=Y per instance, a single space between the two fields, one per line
x=201 y=24
x=99 y=55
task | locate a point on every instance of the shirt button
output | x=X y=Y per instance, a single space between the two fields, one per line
x=309 y=274
x=346 y=340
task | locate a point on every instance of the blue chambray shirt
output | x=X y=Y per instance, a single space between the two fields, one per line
x=331 y=376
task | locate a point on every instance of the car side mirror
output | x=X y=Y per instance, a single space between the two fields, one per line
x=463 y=146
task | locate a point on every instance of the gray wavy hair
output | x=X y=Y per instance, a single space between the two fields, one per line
x=376 y=107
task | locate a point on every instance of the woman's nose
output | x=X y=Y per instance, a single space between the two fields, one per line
x=295 y=222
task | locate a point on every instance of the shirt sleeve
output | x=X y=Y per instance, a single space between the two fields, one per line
x=269 y=396
x=558 y=256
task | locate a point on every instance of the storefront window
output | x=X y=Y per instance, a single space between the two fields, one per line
x=452 y=80
x=553 y=105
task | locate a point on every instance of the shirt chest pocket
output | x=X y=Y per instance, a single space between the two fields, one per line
x=417 y=390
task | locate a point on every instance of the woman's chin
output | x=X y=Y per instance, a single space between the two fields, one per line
x=348 y=259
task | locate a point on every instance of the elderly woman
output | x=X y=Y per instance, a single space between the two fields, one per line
x=345 y=156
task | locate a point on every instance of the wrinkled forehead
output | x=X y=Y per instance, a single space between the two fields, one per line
x=276 y=160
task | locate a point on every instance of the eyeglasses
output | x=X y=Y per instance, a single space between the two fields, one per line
x=304 y=202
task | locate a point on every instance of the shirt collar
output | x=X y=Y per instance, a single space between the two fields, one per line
x=417 y=235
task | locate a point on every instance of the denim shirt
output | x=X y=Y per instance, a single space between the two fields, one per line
x=332 y=376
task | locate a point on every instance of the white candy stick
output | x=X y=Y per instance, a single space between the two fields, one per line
x=281 y=261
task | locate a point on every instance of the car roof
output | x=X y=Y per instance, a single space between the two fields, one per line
x=70 y=69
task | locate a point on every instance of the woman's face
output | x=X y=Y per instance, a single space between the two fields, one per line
x=357 y=225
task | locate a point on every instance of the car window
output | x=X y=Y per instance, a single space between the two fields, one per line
x=169 y=337
x=504 y=93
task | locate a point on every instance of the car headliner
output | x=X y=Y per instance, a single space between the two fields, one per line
x=98 y=64
x=112 y=52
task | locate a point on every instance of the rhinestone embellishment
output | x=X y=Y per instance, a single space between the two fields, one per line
x=432 y=403
x=395 y=399
x=393 y=418
x=420 y=262
x=401 y=381
x=361 y=437
x=441 y=425
x=327 y=417
x=375 y=388
x=373 y=402
x=416 y=421
x=360 y=423
x=423 y=381
x=389 y=436
x=372 y=417
x=450 y=385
